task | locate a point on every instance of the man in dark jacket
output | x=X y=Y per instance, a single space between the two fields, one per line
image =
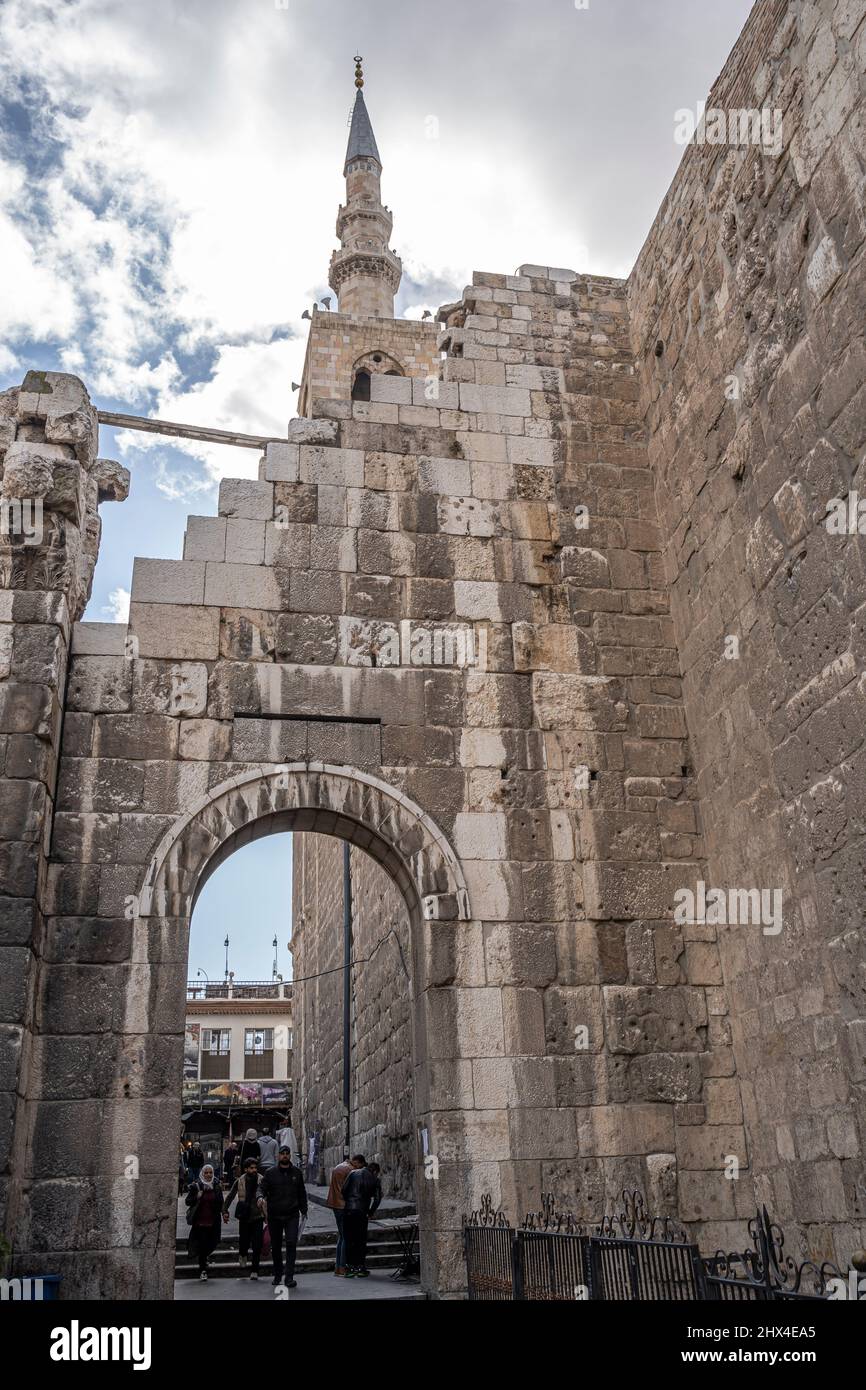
x=283 y=1190
x=195 y=1161
x=361 y=1194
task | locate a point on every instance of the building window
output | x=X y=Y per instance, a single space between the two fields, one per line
x=258 y=1054
x=216 y=1046
x=361 y=386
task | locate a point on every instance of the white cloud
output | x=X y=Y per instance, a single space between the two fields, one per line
x=117 y=608
x=248 y=392
x=168 y=213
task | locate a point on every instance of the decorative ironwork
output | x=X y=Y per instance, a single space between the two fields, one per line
x=486 y=1214
x=550 y=1218
x=632 y=1256
x=766 y=1271
x=633 y=1222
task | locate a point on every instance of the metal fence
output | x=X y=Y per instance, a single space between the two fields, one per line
x=630 y=1256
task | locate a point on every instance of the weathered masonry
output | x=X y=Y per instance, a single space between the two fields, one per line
x=609 y=481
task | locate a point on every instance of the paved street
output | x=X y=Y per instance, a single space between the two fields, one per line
x=311 y=1288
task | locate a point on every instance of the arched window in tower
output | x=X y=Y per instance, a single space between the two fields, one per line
x=361 y=386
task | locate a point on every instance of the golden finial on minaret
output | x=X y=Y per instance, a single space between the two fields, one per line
x=359 y=71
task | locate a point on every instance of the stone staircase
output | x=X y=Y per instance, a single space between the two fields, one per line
x=316 y=1252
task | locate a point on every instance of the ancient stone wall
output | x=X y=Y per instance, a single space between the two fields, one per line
x=748 y=310
x=317 y=950
x=382 y=1104
x=51 y=483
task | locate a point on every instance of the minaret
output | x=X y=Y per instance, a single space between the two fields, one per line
x=364 y=274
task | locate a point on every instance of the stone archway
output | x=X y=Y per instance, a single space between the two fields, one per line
x=328 y=799
x=341 y=801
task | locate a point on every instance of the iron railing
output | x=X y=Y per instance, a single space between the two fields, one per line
x=765 y=1271
x=630 y=1256
x=238 y=989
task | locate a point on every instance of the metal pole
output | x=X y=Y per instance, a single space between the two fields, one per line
x=347 y=982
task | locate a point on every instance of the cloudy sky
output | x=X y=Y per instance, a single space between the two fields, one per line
x=170 y=173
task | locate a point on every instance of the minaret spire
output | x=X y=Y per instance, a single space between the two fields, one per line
x=365 y=274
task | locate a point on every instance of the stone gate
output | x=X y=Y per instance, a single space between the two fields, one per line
x=477 y=625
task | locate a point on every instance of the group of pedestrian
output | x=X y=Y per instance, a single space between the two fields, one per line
x=275 y=1197
x=354 y=1194
x=271 y=1204
x=264 y=1148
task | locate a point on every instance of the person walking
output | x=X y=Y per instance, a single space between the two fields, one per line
x=250 y=1148
x=194 y=1161
x=250 y=1214
x=359 y=1194
x=285 y=1195
x=335 y=1201
x=231 y=1161
x=269 y=1150
x=286 y=1135
x=205 y=1215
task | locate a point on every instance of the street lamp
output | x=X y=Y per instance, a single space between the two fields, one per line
x=226 y=944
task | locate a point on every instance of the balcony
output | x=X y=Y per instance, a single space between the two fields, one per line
x=238 y=989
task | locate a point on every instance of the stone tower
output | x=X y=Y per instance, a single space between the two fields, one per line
x=365 y=274
x=345 y=350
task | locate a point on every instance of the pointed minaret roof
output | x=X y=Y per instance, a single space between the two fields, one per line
x=362 y=141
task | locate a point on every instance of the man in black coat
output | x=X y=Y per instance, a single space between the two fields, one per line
x=362 y=1193
x=283 y=1190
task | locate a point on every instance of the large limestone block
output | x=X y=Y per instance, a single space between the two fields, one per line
x=618 y=1130
x=246 y=497
x=168 y=581
x=176 y=688
x=178 y=631
x=205 y=538
x=303 y=431
x=393 y=390
x=245 y=541
x=507 y=1082
x=100 y=683
x=282 y=462
x=442 y=394
x=641 y=1019
x=465 y=1023
x=709 y=1147
x=494 y=890
x=443 y=475
x=98 y=639
x=241 y=586
x=495 y=400
x=535 y=453
x=337 y=467
x=481 y=836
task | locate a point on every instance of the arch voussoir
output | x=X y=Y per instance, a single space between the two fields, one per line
x=341 y=801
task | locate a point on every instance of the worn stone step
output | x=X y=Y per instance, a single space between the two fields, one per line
x=227 y=1269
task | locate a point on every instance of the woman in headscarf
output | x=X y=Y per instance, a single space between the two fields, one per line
x=204 y=1217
